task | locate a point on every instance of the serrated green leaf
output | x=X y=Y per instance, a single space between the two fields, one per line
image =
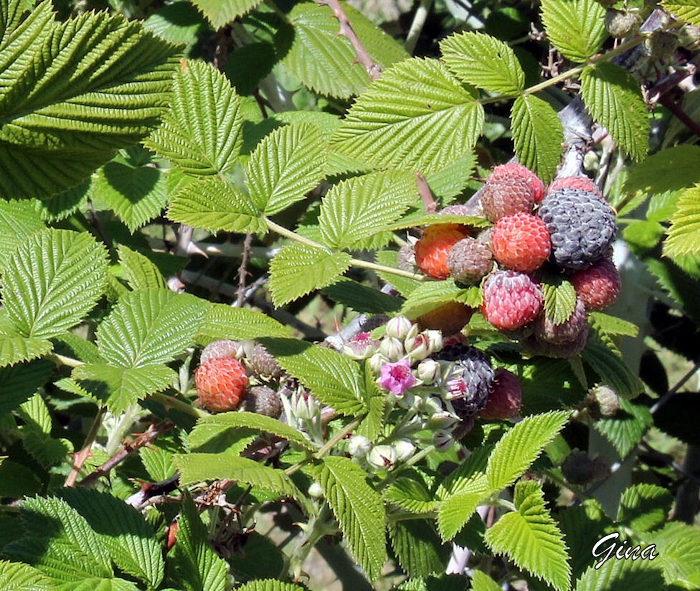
x=298 y=269
x=686 y=10
x=179 y=22
x=668 y=170
x=538 y=135
x=358 y=509
x=483 y=61
x=333 y=378
x=139 y=271
x=433 y=219
x=59 y=542
x=214 y=425
x=416 y=117
x=612 y=325
x=214 y=204
x=456 y=510
x=222 y=12
x=410 y=494
x=323 y=60
x=521 y=446
x=612 y=370
x=417 y=548
x=202 y=132
x=15 y=576
x=621 y=575
x=613 y=98
x=36 y=433
x=130 y=541
x=149 y=327
x=482 y=582
x=677 y=551
x=363 y=206
x=18 y=220
x=684 y=233
x=158 y=462
x=451 y=180
x=576 y=28
x=270 y=585
x=644 y=507
x=131 y=187
x=404 y=285
x=432 y=294
x=625 y=430
x=194 y=565
x=15 y=348
x=119 y=387
x=76 y=91
x=20 y=382
x=531 y=538
x=225 y=322
x=559 y=298
x=372 y=425
x=52 y=280
x=582 y=527
x=285 y=166
x=362 y=298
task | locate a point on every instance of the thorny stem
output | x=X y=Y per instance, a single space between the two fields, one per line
x=81 y=457
x=243 y=270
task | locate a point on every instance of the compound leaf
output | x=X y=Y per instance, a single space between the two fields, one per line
x=684 y=233
x=225 y=322
x=417 y=547
x=625 y=430
x=575 y=27
x=15 y=576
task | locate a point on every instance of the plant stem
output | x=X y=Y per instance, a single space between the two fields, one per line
x=417 y=25
x=67 y=361
x=81 y=457
x=377 y=267
x=172 y=402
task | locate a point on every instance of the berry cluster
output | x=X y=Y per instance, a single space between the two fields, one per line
x=566 y=229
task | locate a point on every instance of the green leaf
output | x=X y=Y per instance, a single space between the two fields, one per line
x=612 y=96
x=531 y=538
x=417 y=547
x=225 y=322
x=270 y=585
x=363 y=206
x=323 y=60
x=575 y=27
x=18 y=220
x=684 y=233
x=222 y=12
x=626 y=428
x=16 y=576
x=482 y=582
x=333 y=378
x=362 y=298
x=668 y=170
x=20 y=382
x=612 y=325
x=404 y=285
x=298 y=269
x=612 y=370
x=149 y=327
x=194 y=565
x=131 y=187
x=214 y=204
x=139 y=271
x=583 y=526
x=416 y=117
x=644 y=507
x=202 y=132
x=358 y=509
x=432 y=294
x=123 y=531
x=411 y=494
x=521 y=446
x=456 y=510
x=52 y=280
x=372 y=425
x=677 y=548
x=451 y=180
x=214 y=425
x=686 y=10
x=59 y=542
x=15 y=347
x=559 y=298
x=538 y=135
x=621 y=575
x=429 y=219
x=120 y=387
x=75 y=92
x=483 y=61
x=36 y=433
x=285 y=166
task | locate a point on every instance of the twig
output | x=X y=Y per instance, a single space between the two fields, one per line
x=243 y=270
x=81 y=457
x=346 y=30
x=426 y=194
x=128 y=448
x=417 y=25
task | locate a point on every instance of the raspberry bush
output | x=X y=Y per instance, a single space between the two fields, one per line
x=310 y=295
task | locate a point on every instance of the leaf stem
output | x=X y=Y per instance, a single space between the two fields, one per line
x=67 y=361
x=81 y=457
x=417 y=25
x=349 y=428
x=172 y=402
x=282 y=231
x=377 y=267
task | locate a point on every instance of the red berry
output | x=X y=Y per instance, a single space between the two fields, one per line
x=505 y=398
x=511 y=188
x=574 y=182
x=220 y=384
x=521 y=242
x=511 y=299
x=597 y=286
x=434 y=246
x=449 y=318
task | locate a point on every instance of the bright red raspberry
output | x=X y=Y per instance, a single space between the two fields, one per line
x=220 y=384
x=511 y=299
x=511 y=188
x=434 y=246
x=505 y=398
x=574 y=182
x=597 y=286
x=521 y=242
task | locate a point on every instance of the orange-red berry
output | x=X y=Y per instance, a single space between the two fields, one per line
x=521 y=242
x=220 y=384
x=434 y=246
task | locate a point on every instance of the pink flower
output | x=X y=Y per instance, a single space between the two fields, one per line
x=397 y=377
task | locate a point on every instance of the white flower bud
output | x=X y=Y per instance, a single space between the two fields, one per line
x=376 y=362
x=359 y=446
x=391 y=348
x=315 y=490
x=442 y=421
x=404 y=449
x=434 y=340
x=442 y=440
x=305 y=406
x=398 y=327
x=428 y=371
x=382 y=457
